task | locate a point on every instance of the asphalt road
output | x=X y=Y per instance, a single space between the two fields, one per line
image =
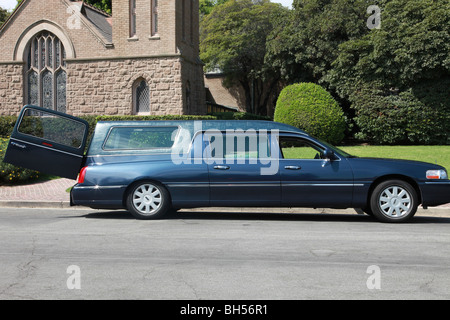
x=89 y=254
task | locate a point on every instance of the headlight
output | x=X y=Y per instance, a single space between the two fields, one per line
x=437 y=174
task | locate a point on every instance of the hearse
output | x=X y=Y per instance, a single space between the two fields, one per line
x=152 y=167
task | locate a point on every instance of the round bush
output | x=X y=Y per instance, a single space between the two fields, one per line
x=311 y=108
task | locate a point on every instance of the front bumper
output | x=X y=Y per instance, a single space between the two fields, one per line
x=435 y=193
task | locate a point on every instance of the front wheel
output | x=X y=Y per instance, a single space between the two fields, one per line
x=394 y=201
x=148 y=200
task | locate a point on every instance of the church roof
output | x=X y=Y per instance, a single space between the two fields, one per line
x=100 y=19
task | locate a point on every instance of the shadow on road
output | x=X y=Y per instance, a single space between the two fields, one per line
x=273 y=216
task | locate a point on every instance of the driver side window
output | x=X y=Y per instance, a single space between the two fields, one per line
x=295 y=148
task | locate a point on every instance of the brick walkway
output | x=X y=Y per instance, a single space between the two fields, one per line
x=52 y=190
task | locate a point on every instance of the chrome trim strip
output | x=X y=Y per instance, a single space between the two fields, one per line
x=225 y=184
x=187 y=185
x=437 y=182
x=42 y=146
x=245 y=185
x=322 y=184
x=99 y=187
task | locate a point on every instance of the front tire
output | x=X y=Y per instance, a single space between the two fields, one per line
x=148 y=200
x=394 y=201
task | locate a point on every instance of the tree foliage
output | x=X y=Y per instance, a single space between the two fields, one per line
x=304 y=46
x=233 y=39
x=4 y=14
x=397 y=77
x=206 y=6
x=104 y=5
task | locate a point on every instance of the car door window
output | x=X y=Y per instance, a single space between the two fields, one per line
x=52 y=128
x=296 y=148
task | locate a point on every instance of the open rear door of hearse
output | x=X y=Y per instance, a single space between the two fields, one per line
x=48 y=141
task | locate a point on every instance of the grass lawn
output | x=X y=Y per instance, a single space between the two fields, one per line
x=432 y=154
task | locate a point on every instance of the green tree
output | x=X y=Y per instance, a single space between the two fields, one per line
x=304 y=46
x=233 y=39
x=206 y=6
x=104 y=5
x=397 y=77
x=4 y=14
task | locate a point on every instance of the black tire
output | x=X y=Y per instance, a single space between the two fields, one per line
x=148 y=200
x=394 y=201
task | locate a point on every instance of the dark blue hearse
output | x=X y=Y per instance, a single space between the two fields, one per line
x=150 y=167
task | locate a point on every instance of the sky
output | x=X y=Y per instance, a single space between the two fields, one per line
x=8 y=4
x=11 y=4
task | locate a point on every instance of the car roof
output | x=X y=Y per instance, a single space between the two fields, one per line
x=191 y=126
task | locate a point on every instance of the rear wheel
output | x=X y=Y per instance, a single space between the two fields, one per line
x=148 y=200
x=394 y=201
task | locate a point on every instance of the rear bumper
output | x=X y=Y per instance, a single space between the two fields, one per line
x=97 y=196
x=435 y=193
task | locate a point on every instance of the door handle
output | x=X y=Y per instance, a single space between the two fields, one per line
x=221 y=167
x=292 y=167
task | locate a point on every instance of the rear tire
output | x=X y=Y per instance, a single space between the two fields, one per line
x=394 y=201
x=148 y=200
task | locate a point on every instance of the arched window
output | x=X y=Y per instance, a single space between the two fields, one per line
x=188 y=98
x=45 y=75
x=141 y=97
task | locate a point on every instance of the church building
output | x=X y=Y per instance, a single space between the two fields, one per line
x=72 y=57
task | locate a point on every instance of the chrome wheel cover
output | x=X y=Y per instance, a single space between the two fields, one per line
x=395 y=202
x=147 y=199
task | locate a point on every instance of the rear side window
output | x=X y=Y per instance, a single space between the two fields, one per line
x=53 y=128
x=140 y=138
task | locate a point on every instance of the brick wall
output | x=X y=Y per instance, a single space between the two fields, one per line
x=105 y=87
x=11 y=89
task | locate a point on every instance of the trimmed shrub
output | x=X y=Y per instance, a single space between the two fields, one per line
x=311 y=108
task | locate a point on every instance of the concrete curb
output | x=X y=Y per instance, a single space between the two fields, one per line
x=34 y=204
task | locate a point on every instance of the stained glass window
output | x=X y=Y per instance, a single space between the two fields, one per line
x=33 y=88
x=61 y=91
x=46 y=77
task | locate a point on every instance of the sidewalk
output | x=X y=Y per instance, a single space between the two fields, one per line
x=47 y=194
x=52 y=194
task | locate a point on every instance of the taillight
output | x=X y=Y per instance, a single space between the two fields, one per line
x=81 y=175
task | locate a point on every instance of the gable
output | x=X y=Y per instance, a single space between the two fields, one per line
x=81 y=28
